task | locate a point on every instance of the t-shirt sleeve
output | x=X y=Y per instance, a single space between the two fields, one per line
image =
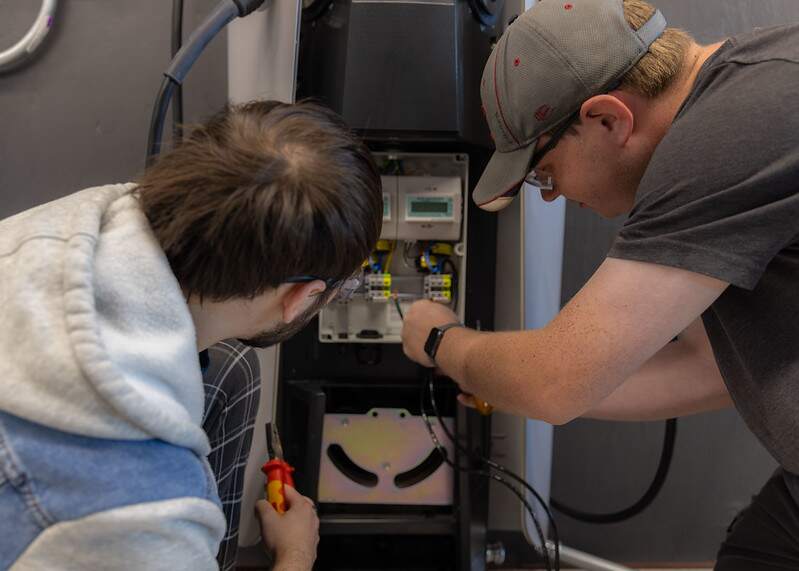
x=721 y=194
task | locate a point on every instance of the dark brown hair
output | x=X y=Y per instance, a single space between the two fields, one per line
x=260 y=193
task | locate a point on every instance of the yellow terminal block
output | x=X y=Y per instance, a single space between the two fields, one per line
x=442 y=249
x=384 y=246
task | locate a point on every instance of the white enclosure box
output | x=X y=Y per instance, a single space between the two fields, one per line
x=421 y=254
x=390 y=211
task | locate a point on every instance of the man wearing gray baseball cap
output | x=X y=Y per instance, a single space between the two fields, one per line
x=696 y=307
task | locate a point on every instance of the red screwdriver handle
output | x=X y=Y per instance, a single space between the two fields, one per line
x=278 y=474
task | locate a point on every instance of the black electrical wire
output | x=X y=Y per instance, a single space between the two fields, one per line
x=177 y=43
x=500 y=468
x=225 y=12
x=651 y=493
x=544 y=552
x=399 y=309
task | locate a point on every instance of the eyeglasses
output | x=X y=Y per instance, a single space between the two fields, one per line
x=344 y=288
x=540 y=178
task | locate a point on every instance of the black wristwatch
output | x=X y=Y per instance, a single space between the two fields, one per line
x=435 y=337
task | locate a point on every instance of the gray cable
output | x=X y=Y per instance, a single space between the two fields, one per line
x=32 y=40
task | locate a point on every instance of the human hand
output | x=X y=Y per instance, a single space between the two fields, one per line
x=292 y=536
x=419 y=320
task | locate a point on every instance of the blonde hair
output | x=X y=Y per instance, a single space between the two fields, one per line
x=661 y=65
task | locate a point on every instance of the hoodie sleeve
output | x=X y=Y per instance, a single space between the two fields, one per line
x=182 y=533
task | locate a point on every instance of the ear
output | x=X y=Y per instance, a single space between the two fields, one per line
x=609 y=115
x=298 y=297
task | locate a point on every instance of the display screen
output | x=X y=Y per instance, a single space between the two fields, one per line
x=430 y=207
x=386 y=207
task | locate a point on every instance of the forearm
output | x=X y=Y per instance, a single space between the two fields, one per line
x=625 y=314
x=520 y=373
x=293 y=562
x=681 y=379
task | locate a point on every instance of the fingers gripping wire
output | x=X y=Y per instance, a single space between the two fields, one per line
x=545 y=545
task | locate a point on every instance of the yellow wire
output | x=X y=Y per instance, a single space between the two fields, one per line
x=390 y=257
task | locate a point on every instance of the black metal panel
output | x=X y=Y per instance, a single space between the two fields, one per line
x=399 y=71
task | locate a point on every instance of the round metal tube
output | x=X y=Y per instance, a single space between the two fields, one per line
x=27 y=46
x=588 y=562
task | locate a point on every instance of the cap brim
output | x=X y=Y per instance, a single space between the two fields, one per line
x=502 y=178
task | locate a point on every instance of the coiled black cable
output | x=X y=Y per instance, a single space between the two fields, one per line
x=651 y=493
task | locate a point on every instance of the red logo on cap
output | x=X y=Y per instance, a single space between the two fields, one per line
x=543 y=112
x=516 y=62
x=569 y=6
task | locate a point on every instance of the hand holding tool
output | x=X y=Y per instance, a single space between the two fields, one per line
x=278 y=471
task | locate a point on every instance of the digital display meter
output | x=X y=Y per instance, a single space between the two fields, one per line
x=420 y=208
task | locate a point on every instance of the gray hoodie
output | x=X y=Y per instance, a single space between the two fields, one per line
x=96 y=340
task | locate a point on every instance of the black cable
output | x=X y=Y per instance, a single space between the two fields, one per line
x=158 y=117
x=399 y=309
x=485 y=473
x=225 y=12
x=469 y=454
x=500 y=468
x=654 y=488
x=177 y=43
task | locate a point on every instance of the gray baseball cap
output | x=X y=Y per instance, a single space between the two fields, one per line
x=553 y=58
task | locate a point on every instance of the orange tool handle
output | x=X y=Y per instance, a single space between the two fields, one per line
x=278 y=474
x=482 y=406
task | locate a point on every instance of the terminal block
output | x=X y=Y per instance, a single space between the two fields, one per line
x=438 y=287
x=378 y=287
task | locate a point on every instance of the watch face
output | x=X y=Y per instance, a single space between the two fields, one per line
x=431 y=344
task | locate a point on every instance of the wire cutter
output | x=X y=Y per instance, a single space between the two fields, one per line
x=278 y=471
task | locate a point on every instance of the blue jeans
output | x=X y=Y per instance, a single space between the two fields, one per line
x=48 y=476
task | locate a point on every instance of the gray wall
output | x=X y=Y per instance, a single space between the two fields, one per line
x=603 y=466
x=78 y=114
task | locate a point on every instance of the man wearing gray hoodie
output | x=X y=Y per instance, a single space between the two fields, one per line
x=245 y=230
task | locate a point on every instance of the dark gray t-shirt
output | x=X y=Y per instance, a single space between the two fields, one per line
x=720 y=197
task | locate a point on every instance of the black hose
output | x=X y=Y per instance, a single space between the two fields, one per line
x=177 y=43
x=158 y=117
x=649 y=496
x=179 y=67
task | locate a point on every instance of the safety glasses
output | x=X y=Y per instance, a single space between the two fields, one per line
x=539 y=177
x=344 y=288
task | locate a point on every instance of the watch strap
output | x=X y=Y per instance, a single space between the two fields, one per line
x=436 y=336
